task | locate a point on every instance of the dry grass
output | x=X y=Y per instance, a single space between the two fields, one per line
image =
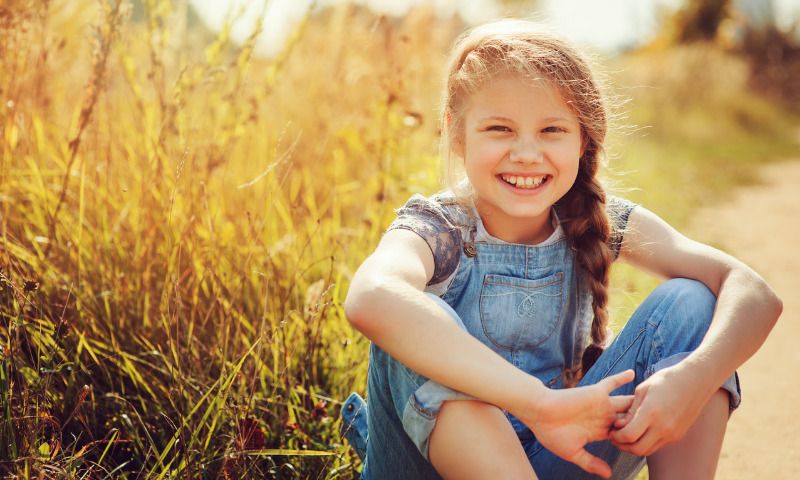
x=179 y=226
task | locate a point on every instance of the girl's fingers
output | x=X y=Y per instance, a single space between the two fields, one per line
x=634 y=408
x=633 y=447
x=615 y=381
x=645 y=446
x=634 y=429
x=621 y=403
x=592 y=464
x=633 y=426
x=621 y=420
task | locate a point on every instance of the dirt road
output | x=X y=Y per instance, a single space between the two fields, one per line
x=761 y=226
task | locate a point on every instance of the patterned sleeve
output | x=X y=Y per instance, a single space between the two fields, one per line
x=426 y=218
x=619 y=209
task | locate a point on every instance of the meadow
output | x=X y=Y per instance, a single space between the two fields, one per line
x=180 y=218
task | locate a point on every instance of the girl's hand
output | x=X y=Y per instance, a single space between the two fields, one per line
x=566 y=420
x=664 y=407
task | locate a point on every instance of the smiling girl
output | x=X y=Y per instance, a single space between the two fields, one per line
x=486 y=303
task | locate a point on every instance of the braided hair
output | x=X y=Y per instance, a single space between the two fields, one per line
x=522 y=48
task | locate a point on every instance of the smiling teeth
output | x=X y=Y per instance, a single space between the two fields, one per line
x=524 y=182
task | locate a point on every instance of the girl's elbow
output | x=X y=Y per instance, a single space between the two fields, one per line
x=777 y=305
x=772 y=302
x=354 y=308
x=361 y=304
x=769 y=302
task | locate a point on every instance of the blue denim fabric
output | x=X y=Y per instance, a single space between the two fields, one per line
x=528 y=305
x=665 y=328
x=403 y=405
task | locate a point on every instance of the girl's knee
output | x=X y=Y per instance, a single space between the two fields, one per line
x=474 y=439
x=459 y=418
x=689 y=299
x=463 y=419
x=683 y=315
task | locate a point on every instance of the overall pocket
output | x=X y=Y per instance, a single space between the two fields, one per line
x=518 y=312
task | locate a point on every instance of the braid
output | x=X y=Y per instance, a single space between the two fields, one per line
x=521 y=48
x=587 y=229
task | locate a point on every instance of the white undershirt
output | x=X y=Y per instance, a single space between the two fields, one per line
x=481 y=235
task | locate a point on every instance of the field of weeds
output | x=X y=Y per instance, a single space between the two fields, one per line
x=179 y=220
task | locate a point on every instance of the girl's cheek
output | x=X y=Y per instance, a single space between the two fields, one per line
x=486 y=153
x=569 y=151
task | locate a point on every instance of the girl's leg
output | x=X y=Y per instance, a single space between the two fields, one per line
x=669 y=324
x=405 y=408
x=394 y=450
x=475 y=440
x=695 y=456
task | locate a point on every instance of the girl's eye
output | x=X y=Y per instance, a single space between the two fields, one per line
x=553 y=130
x=498 y=128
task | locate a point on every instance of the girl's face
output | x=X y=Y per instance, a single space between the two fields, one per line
x=521 y=147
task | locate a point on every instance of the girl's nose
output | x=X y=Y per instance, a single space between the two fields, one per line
x=526 y=151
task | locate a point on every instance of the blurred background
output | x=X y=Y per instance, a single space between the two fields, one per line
x=186 y=188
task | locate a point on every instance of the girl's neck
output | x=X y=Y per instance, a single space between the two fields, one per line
x=527 y=231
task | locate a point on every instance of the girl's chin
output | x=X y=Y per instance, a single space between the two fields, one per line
x=517 y=212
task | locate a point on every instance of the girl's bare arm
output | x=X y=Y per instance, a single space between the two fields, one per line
x=386 y=303
x=747 y=308
x=668 y=403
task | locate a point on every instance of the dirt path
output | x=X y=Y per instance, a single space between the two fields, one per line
x=761 y=226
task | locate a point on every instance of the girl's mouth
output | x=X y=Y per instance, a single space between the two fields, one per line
x=525 y=183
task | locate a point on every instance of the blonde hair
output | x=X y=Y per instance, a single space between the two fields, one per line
x=524 y=49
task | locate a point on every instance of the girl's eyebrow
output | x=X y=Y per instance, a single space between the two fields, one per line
x=506 y=119
x=495 y=118
x=556 y=119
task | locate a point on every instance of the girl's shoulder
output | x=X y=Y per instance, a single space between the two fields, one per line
x=441 y=220
x=443 y=207
x=619 y=206
x=619 y=210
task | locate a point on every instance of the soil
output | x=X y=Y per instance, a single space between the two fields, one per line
x=761 y=226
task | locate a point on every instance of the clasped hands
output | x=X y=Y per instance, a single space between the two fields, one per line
x=660 y=411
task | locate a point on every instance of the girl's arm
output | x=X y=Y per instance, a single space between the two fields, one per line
x=746 y=310
x=387 y=304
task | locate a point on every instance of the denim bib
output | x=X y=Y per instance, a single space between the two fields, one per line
x=530 y=305
x=522 y=301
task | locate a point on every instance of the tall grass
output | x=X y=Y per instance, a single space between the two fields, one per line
x=179 y=226
x=190 y=237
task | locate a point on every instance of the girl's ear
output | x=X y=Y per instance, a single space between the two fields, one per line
x=457 y=145
x=456 y=138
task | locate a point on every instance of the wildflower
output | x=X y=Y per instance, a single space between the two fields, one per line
x=251 y=435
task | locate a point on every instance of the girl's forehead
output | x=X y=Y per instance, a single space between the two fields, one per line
x=519 y=92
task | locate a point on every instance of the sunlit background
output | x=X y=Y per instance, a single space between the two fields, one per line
x=186 y=188
x=609 y=25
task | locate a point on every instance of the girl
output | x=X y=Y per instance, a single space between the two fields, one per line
x=480 y=301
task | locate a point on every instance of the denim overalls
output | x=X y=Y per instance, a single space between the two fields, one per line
x=526 y=303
